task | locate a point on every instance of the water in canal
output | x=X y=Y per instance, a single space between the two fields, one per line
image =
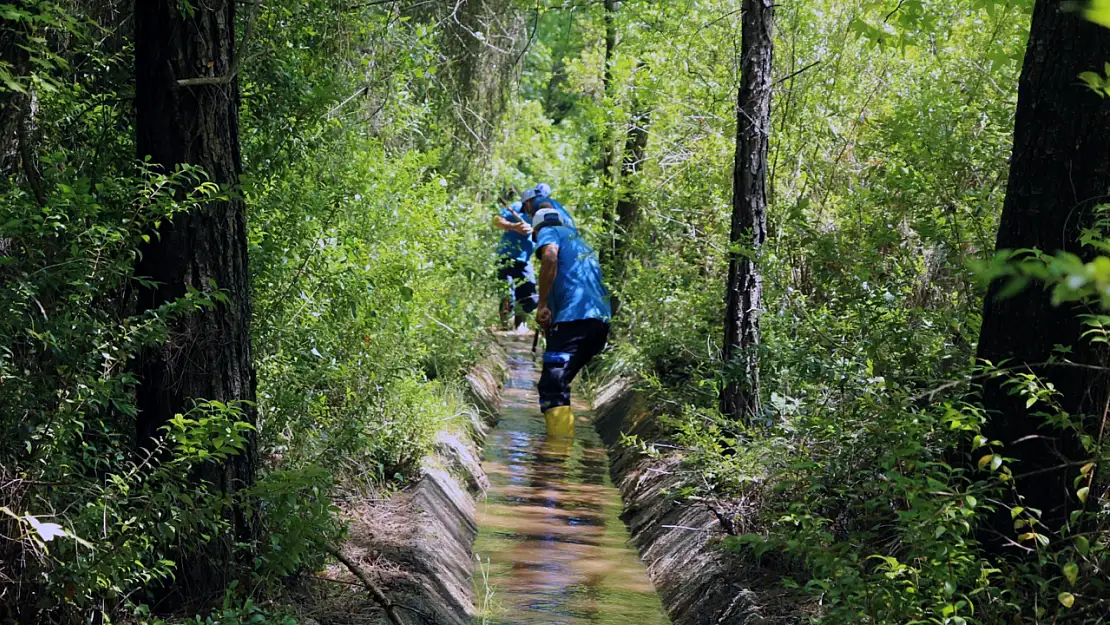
x=552 y=547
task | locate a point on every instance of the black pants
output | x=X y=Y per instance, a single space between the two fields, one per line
x=570 y=346
x=521 y=280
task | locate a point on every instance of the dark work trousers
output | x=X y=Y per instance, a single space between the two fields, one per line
x=521 y=280
x=570 y=345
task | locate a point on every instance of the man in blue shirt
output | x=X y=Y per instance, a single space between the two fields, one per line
x=574 y=311
x=532 y=199
x=514 y=266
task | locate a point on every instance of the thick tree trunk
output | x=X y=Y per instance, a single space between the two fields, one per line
x=744 y=296
x=1060 y=170
x=13 y=104
x=18 y=152
x=208 y=354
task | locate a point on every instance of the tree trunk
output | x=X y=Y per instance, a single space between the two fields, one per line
x=208 y=354
x=13 y=104
x=611 y=7
x=604 y=165
x=605 y=157
x=628 y=203
x=1059 y=172
x=744 y=296
x=18 y=152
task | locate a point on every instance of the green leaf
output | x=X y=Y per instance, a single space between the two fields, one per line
x=1066 y=599
x=1082 y=545
x=1071 y=572
x=1098 y=12
x=1093 y=80
x=1082 y=494
x=1013 y=286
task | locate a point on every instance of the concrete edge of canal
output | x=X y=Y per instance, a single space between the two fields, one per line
x=418 y=543
x=676 y=540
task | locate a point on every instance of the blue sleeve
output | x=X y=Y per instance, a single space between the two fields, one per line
x=546 y=236
x=507 y=214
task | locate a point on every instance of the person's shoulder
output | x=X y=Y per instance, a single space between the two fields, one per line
x=549 y=235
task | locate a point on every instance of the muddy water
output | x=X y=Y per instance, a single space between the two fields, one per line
x=552 y=547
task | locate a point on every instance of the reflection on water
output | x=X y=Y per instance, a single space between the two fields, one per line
x=551 y=541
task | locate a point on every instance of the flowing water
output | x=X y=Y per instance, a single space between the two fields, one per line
x=552 y=547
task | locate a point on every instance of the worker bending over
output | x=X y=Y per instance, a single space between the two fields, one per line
x=574 y=312
x=531 y=200
x=514 y=262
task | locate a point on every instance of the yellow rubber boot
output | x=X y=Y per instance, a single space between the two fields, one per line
x=556 y=449
x=560 y=421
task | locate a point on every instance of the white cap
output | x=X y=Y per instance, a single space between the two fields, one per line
x=546 y=217
x=543 y=189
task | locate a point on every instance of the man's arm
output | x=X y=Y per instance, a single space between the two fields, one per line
x=501 y=223
x=549 y=268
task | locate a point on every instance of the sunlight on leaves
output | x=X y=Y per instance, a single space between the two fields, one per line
x=1098 y=12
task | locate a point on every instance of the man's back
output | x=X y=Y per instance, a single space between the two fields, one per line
x=577 y=292
x=568 y=221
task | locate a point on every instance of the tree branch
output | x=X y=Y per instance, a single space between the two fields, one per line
x=1003 y=370
x=896 y=9
x=375 y=591
x=794 y=74
x=234 y=69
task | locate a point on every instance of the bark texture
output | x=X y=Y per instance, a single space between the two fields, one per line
x=611 y=7
x=744 y=295
x=16 y=149
x=483 y=40
x=605 y=157
x=628 y=202
x=12 y=53
x=604 y=142
x=208 y=353
x=1059 y=172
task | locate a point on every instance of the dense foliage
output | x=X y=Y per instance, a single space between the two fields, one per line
x=371 y=286
x=892 y=126
x=372 y=136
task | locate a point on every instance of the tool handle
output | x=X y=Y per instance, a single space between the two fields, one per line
x=535 y=341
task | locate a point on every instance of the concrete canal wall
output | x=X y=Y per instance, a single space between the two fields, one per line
x=417 y=545
x=698 y=584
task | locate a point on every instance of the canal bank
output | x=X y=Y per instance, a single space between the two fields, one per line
x=677 y=540
x=507 y=526
x=416 y=545
x=552 y=547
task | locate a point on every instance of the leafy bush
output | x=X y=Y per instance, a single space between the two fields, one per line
x=371 y=285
